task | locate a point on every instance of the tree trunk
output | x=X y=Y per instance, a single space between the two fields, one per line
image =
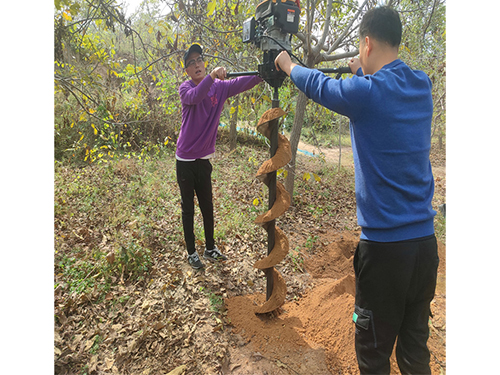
x=233 y=122
x=300 y=110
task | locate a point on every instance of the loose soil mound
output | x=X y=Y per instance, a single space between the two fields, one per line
x=315 y=334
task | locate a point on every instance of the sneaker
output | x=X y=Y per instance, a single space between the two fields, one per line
x=194 y=261
x=214 y=254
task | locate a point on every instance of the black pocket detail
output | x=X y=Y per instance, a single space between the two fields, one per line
x=363 y=319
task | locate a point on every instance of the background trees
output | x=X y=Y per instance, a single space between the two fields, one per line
x=329 y=33
x=116 y=77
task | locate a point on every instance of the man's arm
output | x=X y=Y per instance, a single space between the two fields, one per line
x=342 y=96
x=241 y=84
x=284 y=62
x=193 y=95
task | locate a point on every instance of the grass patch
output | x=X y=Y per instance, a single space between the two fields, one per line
x=108 y=219
x=113 y=219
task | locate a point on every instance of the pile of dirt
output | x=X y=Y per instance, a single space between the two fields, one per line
x=314 y=334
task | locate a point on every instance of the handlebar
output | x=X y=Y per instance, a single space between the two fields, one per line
x=342 y=70
x=238 y=74
x=339 y=71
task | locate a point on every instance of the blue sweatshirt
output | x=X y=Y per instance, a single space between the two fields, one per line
x=391 y=114
x=202 y=106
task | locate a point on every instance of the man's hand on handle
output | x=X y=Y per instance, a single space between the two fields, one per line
x=284 y=62
x=354 y=64
x=219 y=73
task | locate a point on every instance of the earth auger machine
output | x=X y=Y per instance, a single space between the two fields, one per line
x=271 y=30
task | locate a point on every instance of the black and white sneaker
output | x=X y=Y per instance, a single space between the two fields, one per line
x=194 y=261
x=214 y=254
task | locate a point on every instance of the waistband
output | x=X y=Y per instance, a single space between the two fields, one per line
x=403 y=233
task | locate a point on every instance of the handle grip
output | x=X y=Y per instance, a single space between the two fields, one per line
x=238 y=74
x=342 y=70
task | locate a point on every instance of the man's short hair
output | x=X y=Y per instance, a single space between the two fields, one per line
x=382 y=24
x=194 y=48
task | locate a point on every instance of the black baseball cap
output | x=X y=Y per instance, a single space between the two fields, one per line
x=194 y=48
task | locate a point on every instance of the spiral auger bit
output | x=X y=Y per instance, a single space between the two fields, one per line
x=279 y=201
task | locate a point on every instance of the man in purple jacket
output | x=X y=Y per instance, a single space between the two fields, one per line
x=202 y=98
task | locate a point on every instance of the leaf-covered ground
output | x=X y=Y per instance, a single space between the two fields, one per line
x=125 y=299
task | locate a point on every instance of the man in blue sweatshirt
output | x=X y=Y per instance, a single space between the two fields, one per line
x=390 y=110
x=202 y=99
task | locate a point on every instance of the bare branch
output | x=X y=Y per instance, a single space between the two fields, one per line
x=337 y=56
x=158 y=59
x=317 y=48
x=347 y=30
x=434 y=4
x=190 y=16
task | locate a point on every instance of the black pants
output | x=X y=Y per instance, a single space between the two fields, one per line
x=196 y=176
x=395 y=284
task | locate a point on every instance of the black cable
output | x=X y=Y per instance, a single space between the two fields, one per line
x=290 y=52
x=339 y=71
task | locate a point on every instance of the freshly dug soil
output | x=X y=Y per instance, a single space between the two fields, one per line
x=315 y=334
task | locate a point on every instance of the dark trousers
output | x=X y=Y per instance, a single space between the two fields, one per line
x=395 y=284
x=196 y=176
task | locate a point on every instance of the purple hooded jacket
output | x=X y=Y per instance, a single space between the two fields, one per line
x=201 y=109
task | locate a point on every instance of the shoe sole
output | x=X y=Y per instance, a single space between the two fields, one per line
x=197 y=268
x=213 y=259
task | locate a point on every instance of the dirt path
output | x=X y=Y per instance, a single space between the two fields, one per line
x=346 y=159
x=330 y=154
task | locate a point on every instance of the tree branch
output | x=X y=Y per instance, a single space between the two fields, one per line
x=317 y=48
x=338 y=56
x=347 y=30
x=434 y=4
x=190 y=16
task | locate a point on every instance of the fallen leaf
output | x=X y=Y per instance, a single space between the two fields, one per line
x=93 y=363
x=108 y=363
x=89 y=344
x=217 y=328
x=178 y=370
x=159 y=325
x=257 y=356
x=57 y=338
x=131 y=345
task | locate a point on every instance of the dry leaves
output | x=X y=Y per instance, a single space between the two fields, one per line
x=170 y=318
